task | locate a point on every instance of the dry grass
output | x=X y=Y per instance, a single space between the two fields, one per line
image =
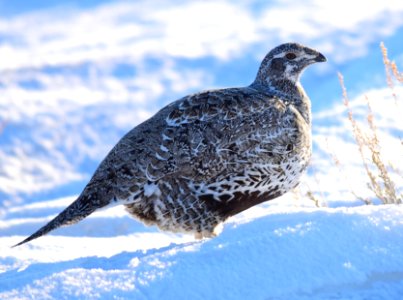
x=392 y=72
x=369 y=147
x=377 y=168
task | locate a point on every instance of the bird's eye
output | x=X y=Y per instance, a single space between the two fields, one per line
x=290 y=56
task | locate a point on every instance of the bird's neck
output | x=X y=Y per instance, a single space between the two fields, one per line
x=288 y=90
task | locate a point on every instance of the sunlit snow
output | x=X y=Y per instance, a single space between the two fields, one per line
x=75 y=77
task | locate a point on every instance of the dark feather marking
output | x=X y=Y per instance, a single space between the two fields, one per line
x=239 y=202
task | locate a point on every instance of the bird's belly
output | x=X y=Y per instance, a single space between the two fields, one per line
x=275 y=179
x=287 y=174
x=262 y=177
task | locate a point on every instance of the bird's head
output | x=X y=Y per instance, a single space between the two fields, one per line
x=286 y=62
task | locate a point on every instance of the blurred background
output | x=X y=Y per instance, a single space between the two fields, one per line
x=75 y=76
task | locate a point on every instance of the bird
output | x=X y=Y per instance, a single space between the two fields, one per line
x=209 y=155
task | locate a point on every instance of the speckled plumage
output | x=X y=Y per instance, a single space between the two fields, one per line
x=210 y=155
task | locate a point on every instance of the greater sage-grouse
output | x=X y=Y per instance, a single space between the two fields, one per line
x=210 y=155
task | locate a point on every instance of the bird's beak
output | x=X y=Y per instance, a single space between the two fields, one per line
x=320 y=58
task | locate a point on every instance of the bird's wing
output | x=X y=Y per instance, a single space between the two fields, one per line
x=217 y=136
x=212 y=132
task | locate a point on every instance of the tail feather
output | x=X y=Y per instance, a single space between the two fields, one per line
x=74 y=213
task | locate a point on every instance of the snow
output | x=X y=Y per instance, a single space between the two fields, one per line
x=74 y=79
x=289 y=253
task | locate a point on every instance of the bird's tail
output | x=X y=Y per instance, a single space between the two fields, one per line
x=75 y=212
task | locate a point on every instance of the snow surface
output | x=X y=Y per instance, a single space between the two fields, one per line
x=288 y=253
x=74 y=78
